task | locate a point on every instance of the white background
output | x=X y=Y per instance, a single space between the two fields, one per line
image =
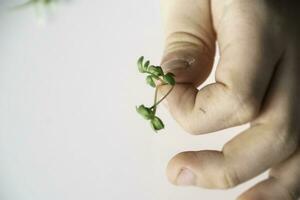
x=68 y=88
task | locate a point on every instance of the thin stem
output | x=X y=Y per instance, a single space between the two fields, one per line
x=155 y=100
x=156 y=104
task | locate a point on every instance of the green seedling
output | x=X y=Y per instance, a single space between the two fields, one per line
x=154 y=74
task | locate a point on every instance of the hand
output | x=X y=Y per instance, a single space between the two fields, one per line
x=257 y=82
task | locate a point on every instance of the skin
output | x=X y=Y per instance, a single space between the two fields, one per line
x=257 y=82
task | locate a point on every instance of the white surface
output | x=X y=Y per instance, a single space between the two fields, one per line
x=68 y=127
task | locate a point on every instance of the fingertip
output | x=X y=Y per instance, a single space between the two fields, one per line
x=203 y=169
x=179 y=171
x=172 y=64
x=188 y=65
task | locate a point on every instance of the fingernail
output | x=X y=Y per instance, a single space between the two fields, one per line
x=186 y=177
x=175 y=64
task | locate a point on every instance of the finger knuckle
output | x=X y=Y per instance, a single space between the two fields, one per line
x=190 y=128
x=230 y=178
x=247 y=107
x=286 y=139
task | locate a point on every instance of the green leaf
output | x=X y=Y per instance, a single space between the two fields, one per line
x=171 y=74
x=155 y=70
x=150 y=81
x=140 y=64
x=146 y=65
x=154 y=77
x=169 y=78
x=157 y=124
x=160 y=71
x=145 y=112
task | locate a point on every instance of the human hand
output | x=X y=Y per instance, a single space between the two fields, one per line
x=257 y=81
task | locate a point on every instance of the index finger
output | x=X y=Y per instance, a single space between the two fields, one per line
x=249 y=55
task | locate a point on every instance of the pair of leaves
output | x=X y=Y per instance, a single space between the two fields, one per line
x=149 y=114
x=156 y=73
x=155 y=70
x=167 y=79
x=141 y=65
x=147 y=68
x=145 y=112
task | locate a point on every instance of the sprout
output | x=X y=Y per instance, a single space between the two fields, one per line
x=154 y=73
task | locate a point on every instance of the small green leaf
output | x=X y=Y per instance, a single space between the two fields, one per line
x=157 y=124
x=168 y=78
x=145 y=112
x=171 y=74
x=146 y=65
x=154 y=77
x=140 y=64
x=150 y=81
x=160 y=71
x=155 y=70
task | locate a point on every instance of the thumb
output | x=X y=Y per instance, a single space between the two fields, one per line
x=189 y=40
